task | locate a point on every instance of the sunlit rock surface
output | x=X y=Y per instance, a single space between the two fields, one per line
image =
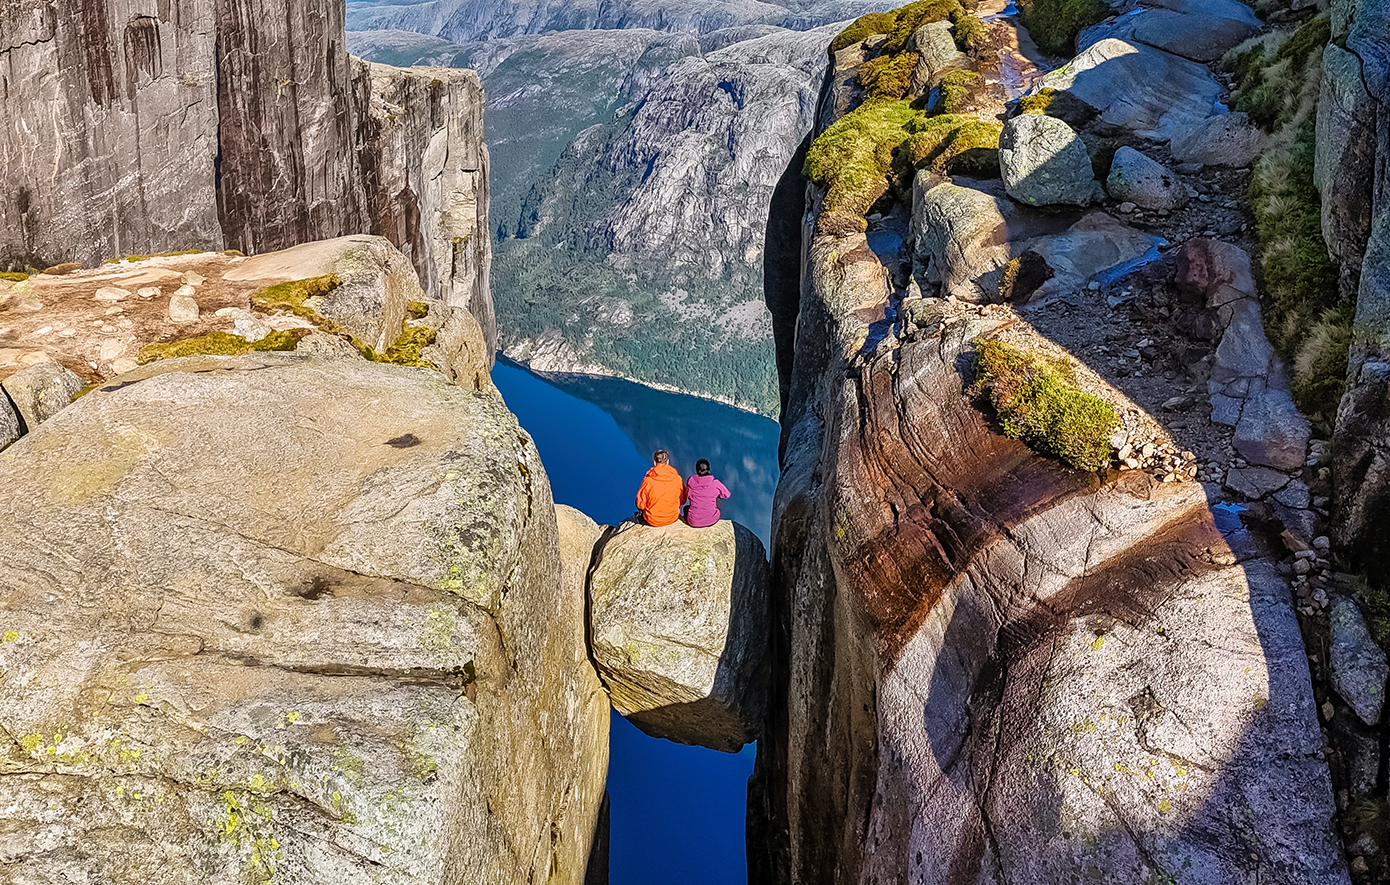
x=287 y=618
x=679 y=631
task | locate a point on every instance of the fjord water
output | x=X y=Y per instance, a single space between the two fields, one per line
x=677 y=811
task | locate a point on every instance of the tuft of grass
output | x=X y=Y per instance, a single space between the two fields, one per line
x=853 y=158
x=1272 y=72
x=13 y=276
x=1320 y=363
x=955 y=91
x=957 y=144
x=63 y=269
x=219 y=344
x=154 y=255
x=1037 y=400
x=1054 y=24
x=888 y=77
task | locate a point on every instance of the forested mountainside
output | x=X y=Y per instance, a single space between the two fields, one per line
x=632 y=164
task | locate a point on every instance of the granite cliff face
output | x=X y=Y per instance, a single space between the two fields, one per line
x=991 y=666
x=200 y=125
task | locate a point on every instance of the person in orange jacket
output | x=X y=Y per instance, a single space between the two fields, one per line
x=662 y=493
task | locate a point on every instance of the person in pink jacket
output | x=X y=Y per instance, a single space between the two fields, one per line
x=703 y=492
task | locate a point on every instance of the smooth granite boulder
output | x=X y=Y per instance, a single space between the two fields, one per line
x=1044 y=162
x=1134 y=178
x=287 y=618
x=679 y=631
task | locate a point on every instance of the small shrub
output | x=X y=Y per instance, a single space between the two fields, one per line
x=888 y=77
x=218 y=344
x=1037 y=401
x=13 y=276
x=1054 y=24
x=955 y=90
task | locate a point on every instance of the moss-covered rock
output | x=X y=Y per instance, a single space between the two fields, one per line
x=1037 y=400
x=218 y=344
x=1054 y=24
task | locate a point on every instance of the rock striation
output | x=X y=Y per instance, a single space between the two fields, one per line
x=206 y=125
x=678 y=630
x=365 y=662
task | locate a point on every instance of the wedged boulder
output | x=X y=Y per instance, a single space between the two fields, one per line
x=679 y=625
x=1150 y=92
x=1135 y=178
x=290 y=618
x=1044 y=162
x=40 y=391
x=1218 y=272
x=1097 y=243
x=1221 y=140
x=1359 y=667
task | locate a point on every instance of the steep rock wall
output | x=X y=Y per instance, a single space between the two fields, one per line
x=1354 y=174
x=137 y=127
x=992 y=668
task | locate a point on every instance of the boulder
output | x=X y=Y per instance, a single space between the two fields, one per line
x=41 y=390
x=1152 y=93
x=1044 y=162
x=958 y=234
x=1359 y=667
x=679 y=631
x=1199 y=36
x=290 y=618
x=459 y=350
x=323 y=344
x=935 y=45
x=1272 y=432
x=1137 y=179
x=1221 y=140
x=1215 y=271
x=182 y=308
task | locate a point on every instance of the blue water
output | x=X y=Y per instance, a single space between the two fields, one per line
x=677 y=812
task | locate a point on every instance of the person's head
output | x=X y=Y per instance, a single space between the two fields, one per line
x=702 y=467
x=661 y=456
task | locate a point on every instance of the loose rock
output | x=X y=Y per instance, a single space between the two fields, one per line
x=1044 y=162
x=1359 y=666
x=1136 y=179
x=40 y=391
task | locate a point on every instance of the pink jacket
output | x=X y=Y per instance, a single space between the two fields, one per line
x=703 y=493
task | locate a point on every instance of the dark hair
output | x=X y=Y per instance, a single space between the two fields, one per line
x=702 y=467
x=661 y=457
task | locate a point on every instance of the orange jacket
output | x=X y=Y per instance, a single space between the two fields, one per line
x=661 y=495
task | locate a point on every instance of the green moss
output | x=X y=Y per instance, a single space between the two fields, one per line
x=888 y=77
x=1057 y=103
x=219 y=344
x=11 y=276
x=1054 y=24
x=405 y=350
x=852 y=159
x=863 y=28
x=417 y=309
x=293 y=296
x=955 y=91
x=153 y=255
x=957 y=144
x=1037 y=401
x=900 y=25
